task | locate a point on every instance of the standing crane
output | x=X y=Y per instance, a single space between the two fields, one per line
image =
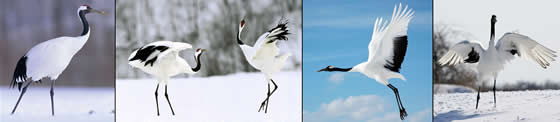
x=50 y=58
x=493 y=59
x=264 y=55
x=162 y=60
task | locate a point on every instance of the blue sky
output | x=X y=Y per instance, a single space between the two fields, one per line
x=337 y=33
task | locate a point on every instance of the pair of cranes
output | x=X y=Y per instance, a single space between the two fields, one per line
x=161 y=59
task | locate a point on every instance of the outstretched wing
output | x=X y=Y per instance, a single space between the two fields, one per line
x=516 y=44
x=389 y=42
x=462 y=52
x=150 y=53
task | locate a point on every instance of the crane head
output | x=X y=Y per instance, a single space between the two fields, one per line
x=242 y=23
x=493 y=20
x=86 y=9
x=328 y=68
x=199 y=51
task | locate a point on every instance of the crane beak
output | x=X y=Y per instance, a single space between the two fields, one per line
x=324 y=69
x=100 y=12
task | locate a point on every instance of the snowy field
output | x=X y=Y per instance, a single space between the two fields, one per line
x=230 y=98
x=517 y=106
x=449 y=88
x=71 y=105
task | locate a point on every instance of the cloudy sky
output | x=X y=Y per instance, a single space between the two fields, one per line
x=525 y=17
x=337 y=33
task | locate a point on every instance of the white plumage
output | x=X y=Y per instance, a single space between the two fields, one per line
x=387 y=49
x=50 y=58
x=162 y=60
x=493 y=59
x=264 y=55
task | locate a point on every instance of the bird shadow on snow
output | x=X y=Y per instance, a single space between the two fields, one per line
x=458 y=115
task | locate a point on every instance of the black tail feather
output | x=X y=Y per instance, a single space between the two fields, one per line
x=20 y=73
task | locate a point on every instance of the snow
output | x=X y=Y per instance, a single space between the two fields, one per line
x=71 y=105
x=448 y=88
x=520 y=106
x=232 y=98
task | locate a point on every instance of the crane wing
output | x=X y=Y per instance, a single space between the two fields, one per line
x=389 y=42
x=516 y=44
x=150 y=53
x=462 y=52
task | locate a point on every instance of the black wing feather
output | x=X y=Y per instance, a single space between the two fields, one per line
x=399 y=50
x=143 y=53
x=283 y=26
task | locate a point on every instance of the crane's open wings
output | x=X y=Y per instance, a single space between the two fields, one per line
x=150 y=53
x=389 y=42
x=462 y=52
x=513 y=43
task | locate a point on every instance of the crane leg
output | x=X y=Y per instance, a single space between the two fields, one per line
x=477 y=97
x=494 y=89
x=402 y=111
x=52 y=100
x=21 y=95
x=157 y=104
x=264 y=104
x=167 y=97
x=268 y=99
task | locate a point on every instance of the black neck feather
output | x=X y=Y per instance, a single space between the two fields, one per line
x=197 y=67
x=82 y=15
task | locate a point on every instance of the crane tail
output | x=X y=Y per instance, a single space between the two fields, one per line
x=20 y=73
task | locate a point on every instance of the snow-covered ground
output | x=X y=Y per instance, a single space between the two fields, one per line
x=71 y=105
x=230 y=98
x=449 y=88
x=517 y=106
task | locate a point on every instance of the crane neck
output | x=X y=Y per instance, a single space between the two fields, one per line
x=82 y=15
x=492 y=34
x=239 y=37
x=197 y=67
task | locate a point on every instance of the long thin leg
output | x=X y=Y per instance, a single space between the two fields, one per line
x=403 y=113
x=270 y=94
x=157 y=104
x=21 y=95
x=263 y=104
x=477 y=97
x=494 y=89
x=52 y=100
x=167 y=97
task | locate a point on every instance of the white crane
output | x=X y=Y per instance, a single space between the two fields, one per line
x=162 y=60
x=493 y=59
x=264 y=55
x=50 y=58
x=387 y=49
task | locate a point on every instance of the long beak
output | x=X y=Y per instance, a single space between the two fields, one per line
x=324 y=69
x=100 y=12
x=204 y=50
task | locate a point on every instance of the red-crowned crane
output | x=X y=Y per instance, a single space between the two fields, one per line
x=387 y=49
x=50 y=58
x=493 y=59
x=161 y=59
x=264 y=54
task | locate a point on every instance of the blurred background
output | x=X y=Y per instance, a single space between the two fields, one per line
x=26 y=23
x=209 y=24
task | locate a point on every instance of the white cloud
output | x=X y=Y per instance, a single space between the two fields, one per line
x=336 y=78
x=369 y=108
